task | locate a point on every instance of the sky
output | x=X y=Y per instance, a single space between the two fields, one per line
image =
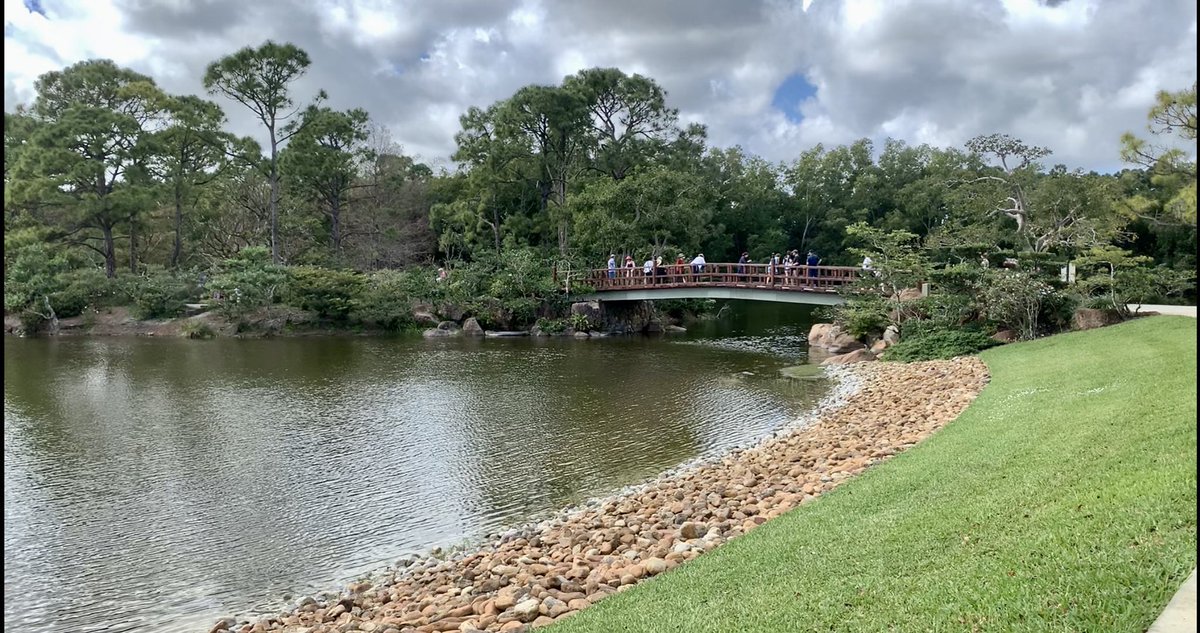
x=776 y=77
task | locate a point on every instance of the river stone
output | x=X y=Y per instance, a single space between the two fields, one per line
x=447 y=325
x=691 y=530
x=655 y=566
x=471 y=327
x=527 y=610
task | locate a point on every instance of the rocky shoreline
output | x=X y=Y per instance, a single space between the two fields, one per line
x=535 y=575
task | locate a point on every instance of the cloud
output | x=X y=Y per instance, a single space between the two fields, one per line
x=774 y=76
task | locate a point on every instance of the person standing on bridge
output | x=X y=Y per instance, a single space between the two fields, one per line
x=630 y=265
x=742 y=261
x=811 y=265
x=680 y=267
x=698 y=264
x=648 y=269
x=612 y=265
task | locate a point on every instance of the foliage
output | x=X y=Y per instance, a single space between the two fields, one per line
x=332 y=294
x=246 y=282
x=156 y=293
x=1173 y=114
x=196 y=330
x=31 y=277
x=939 y=344
x=579 y=322
x=1014 y=299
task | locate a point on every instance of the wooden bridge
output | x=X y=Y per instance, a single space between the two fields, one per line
x=816 y=285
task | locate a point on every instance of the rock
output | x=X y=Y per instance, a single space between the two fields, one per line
x=225 y=624
x=422 y=313
x=581 y=335
x=527 y=609
x=452 y=312
x=655 y=566
x=1005 y=336
x=1090 y=318
x=857 y=356
x=653 y=327
x=506 y=333
x=891 y=334
x=675 y=329
x=877 y=347
x=471 y=327
x=691 y=530
x=832 y=339
x=447 y=325
x=553 y=607
x=589 y=310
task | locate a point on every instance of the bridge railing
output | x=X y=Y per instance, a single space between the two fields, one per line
x=763 y=276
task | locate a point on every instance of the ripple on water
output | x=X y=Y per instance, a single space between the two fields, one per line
x=159 y=485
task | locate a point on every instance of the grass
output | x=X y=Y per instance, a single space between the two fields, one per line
x=1063 y=499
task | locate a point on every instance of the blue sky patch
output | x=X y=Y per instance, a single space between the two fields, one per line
x=790 y=94
x=35 y=6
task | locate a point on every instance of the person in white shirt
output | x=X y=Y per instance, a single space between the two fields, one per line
x=648 y=269
x=698 y=264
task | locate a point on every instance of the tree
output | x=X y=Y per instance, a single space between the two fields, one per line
x=260 y=78
x=189 y=152
x=629 y=118
x=322 y=161
x=94 y=121
x=1173 y=114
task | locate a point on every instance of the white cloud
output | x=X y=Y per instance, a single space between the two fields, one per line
x=1069 y=75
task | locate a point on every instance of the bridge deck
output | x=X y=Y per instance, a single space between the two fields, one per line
x=795 y=284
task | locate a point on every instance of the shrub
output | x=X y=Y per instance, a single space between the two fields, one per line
x=83 y=288
x=156 y=294
x=386 y=299
x=552 y=326
x=246 y=282
x=579 y=322
x=328 y=292
x=939 y=344
x=197 y=330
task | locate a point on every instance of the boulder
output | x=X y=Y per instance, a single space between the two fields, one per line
x=1090 y=318
x=440 y=333
x=675 y=329
x=909 y=294
x=471 y=327
x=879 y=346
x=452 y=312
x=1005 y=336
x=422 y=313
x=892 y=335
x=857 y=356
x=526 y=610
x=447 y=325
x=831 y=338
x=588 y=309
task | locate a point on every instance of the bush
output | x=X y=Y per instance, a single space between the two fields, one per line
x=552 y=326
x=387 y=300
x=246 y=282
x=156 y=294
x=939 y=344
x=84 y=288
x=328 y=292
x=197 y=330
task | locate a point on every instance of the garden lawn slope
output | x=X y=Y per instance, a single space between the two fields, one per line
x=1063 y=499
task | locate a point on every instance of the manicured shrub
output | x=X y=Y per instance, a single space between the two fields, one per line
x=331 y=293
x=939 y=344
x=156 y=294
x=246 y=282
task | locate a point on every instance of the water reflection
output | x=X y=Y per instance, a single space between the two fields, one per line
x=159 y=484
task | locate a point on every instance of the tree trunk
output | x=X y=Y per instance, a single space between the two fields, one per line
x=110 y=251
x=177 y=249
x=496 y=225
x=273 y=203
x=335 y=224
x=132 y=245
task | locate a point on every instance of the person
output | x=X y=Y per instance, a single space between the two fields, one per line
x=612 y=265
x=772 y=268
x=629 y=265
x=680 y=264
x=698 y=264
x=868 y=263
x=648 y=269
x=811 y=265
x=441 y=275
x=742 y=261
x=659 y=269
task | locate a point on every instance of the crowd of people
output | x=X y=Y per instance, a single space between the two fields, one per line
x=789 y=269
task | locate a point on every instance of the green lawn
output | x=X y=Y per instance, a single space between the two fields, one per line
x=1063 y=499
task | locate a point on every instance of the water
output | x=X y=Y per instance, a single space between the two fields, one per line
x=162 y=484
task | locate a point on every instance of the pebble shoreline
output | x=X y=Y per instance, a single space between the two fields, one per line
x=543 y=572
